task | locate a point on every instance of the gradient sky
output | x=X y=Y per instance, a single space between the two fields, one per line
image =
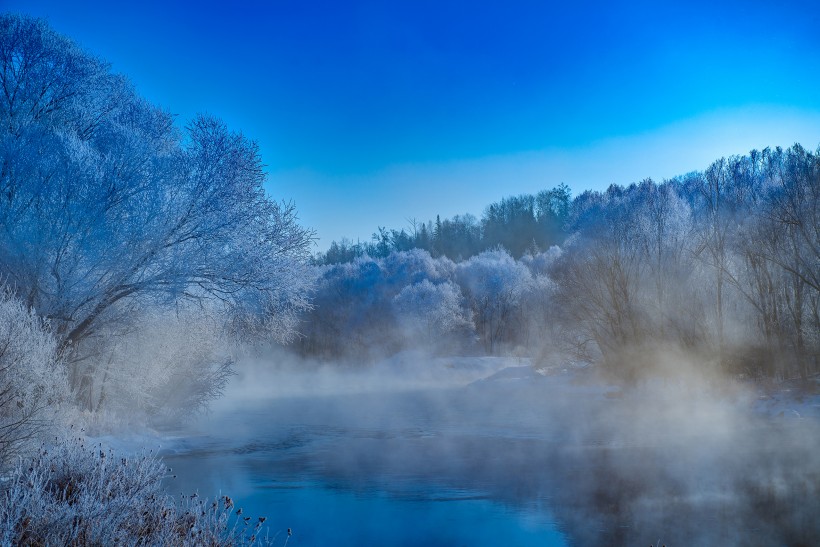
x=369 y=113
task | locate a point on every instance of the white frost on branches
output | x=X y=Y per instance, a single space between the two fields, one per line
x=32 y=377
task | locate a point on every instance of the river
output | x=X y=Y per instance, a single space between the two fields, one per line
x=517 y=459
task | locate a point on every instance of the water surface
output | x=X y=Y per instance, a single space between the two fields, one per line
x=510 y=461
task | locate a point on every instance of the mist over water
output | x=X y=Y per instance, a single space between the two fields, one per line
x=661 y=378
x=485 y=451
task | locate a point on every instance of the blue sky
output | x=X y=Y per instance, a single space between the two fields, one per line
x=370 y=113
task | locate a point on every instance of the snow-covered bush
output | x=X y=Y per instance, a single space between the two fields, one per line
x=32 y=376
x=431 y=311
x=348 y=311
x=354 y=312
x=407 y=267
x=73 y=494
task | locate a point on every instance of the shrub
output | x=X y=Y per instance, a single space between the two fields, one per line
x=73 y=494
x=32 y=376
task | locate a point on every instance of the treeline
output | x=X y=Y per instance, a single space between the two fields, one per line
x=372 y=307
x=722 y=264
x=521 y=224
x=720 y=268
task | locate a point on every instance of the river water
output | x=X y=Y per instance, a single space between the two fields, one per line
x=514 y=460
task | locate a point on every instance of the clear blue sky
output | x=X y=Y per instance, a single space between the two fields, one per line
x=372 y=112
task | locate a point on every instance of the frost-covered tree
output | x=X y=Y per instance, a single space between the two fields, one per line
x=772 y=257
x=720 y=264
x=601 y=273
x=663 y=230
x=624 y=277
x=348 y=311
x=792 y=208
x=493 y=283
x=168 y=365
x=409 y=267
x=109 y=210
x=541 y=263
x=432 y=312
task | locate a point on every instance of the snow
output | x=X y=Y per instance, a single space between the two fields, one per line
x=788 y=402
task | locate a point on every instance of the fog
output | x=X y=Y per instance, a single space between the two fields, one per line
x=634 y=365
x=687 y=461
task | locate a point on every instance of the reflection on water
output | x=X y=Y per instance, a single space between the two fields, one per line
x=323 y=513
x=536 y=463
x=364 y=487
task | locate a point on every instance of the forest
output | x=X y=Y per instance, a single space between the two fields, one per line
x=141 y=262
x=720 y=264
